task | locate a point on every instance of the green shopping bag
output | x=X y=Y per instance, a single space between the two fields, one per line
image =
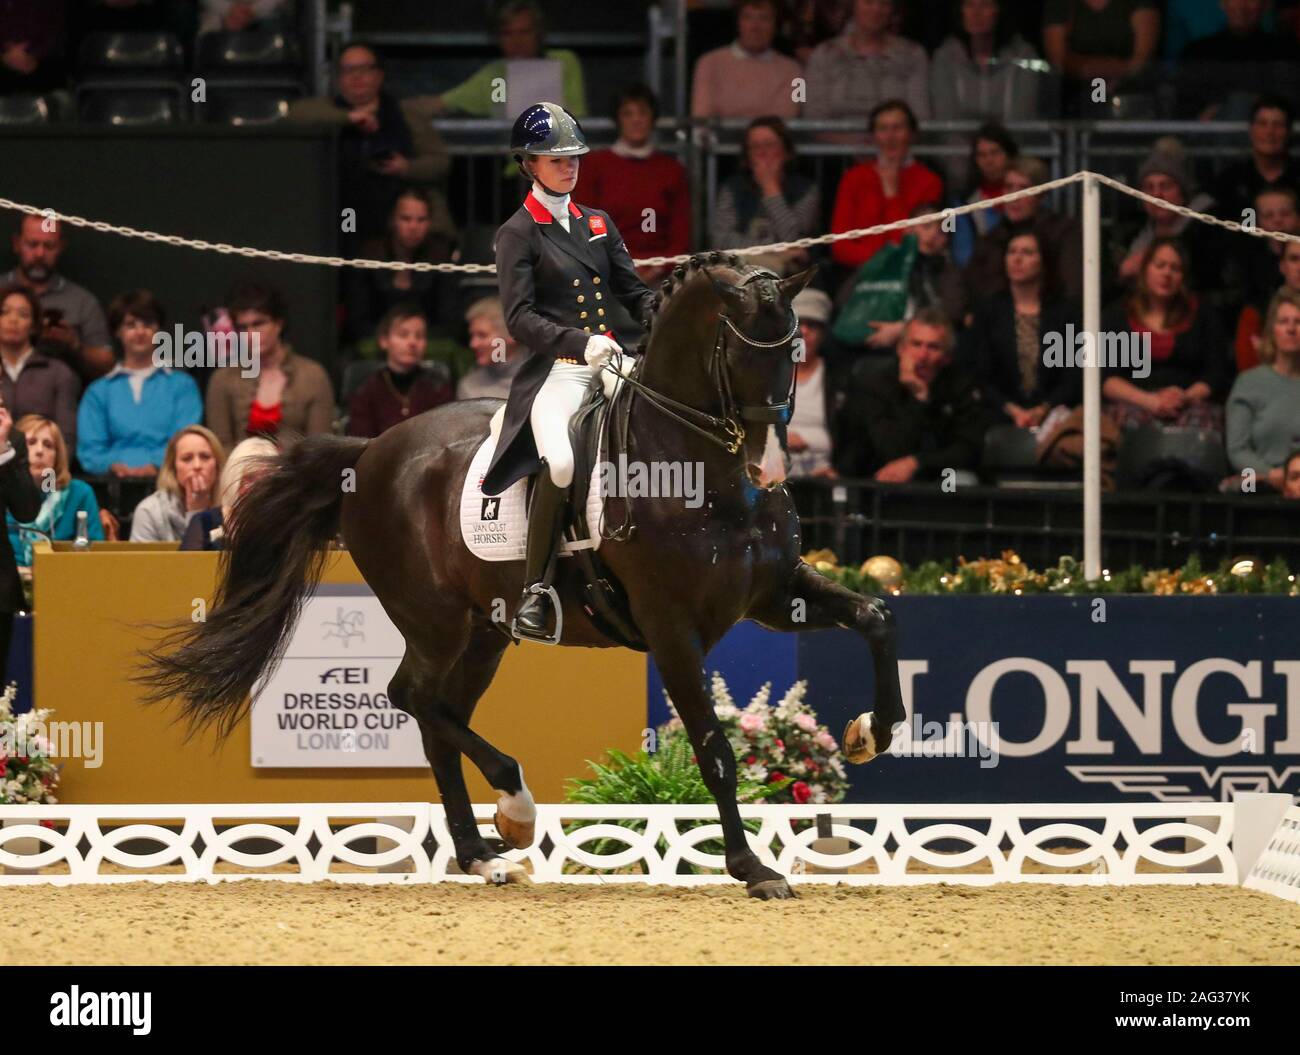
x=879 y=292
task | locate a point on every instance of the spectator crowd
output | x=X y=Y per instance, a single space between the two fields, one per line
x=918 y=344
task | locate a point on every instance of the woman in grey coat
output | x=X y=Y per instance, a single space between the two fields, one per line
x=187 y=483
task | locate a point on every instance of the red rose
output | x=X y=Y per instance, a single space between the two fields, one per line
x=775 y=777
x=47 y=824
x=22 y=760
x=801 y=792
x=751 y=760
x=781 y=744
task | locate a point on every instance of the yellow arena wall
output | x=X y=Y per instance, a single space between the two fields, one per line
x=551 y=708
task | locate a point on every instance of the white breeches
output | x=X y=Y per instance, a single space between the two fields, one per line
x=555 y=403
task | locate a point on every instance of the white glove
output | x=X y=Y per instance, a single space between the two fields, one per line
x=599 y=349
x=611 y=380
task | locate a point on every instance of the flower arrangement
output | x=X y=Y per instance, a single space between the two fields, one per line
x=26 y=773
x=1009 y=575
x=782 y=746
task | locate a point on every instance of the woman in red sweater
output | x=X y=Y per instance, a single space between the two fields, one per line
x=640 y=187
x=885 y=189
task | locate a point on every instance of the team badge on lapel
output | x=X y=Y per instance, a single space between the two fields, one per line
x=598 y=229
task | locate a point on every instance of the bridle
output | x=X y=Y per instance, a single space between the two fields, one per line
x=727 y=431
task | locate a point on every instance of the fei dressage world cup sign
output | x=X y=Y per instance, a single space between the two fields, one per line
x=327 y=702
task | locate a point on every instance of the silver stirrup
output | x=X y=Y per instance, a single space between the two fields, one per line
x=550 y=591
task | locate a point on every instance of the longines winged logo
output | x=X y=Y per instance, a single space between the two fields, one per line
x=1191 y=783
x=346 y=627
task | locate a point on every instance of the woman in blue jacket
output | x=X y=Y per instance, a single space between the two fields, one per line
x=62 y=497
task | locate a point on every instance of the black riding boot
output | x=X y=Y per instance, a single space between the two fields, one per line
x=545 y=520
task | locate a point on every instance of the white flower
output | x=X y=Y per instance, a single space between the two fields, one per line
x=792 y=701
x=756 y=773
x=721 y=694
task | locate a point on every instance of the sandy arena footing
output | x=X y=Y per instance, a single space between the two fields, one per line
x=258 y=922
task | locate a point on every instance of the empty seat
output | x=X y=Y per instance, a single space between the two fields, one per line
x=24 y=110
x=1007 y=447
x=248 y=50
x=1161 y=457
x=130 y=53
x=130 y=107
x=356 y=374
x=247 y=108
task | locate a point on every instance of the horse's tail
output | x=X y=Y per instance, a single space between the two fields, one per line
x=275 y=553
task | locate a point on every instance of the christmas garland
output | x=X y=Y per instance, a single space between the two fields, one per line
x=1008 y=574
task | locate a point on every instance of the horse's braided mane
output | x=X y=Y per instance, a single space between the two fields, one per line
x=683 y=274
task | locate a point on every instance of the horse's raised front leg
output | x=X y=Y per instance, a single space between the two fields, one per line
x=810 y=601
x=681 y=664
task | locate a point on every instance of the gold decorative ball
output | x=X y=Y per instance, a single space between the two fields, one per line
x=885 y=570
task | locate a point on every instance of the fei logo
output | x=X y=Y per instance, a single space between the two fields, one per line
x=76 y=1008
x=491 y=509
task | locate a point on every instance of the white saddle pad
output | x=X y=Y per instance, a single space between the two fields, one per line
x=495 y=527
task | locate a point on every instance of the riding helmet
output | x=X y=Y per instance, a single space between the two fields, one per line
x=547 y=130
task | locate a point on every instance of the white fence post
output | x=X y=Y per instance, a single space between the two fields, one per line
x=1255 y=817
x=1091 y=378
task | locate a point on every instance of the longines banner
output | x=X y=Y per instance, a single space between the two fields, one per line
x=327 y=703
x=1061 y=699
x=1055 y=699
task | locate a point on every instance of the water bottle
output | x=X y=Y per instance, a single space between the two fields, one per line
x=81 y=543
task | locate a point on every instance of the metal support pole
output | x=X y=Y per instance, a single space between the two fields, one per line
x=680 y=73
x=1091 y=378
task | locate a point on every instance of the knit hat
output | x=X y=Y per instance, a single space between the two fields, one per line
x=812 y=305
x=1169 y=158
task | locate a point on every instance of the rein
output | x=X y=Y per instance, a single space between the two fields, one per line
x=730 y=423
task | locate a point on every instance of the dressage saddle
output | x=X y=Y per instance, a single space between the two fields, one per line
x=603 y=596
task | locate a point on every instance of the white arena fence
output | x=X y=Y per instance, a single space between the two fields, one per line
x=869 y=844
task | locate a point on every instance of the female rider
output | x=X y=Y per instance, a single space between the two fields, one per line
x=558 y=265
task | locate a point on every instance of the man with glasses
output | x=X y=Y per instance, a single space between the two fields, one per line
x=385 y=142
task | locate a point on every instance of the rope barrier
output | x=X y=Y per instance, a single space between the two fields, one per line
x=772 y=247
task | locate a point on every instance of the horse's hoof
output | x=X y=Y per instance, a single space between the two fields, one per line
x=497 y=871
x=518 y=835
x=770 y=890
x=858 y=742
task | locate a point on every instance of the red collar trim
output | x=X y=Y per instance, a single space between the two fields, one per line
x=541 y=214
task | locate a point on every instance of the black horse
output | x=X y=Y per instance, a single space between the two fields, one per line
x=718 y=356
